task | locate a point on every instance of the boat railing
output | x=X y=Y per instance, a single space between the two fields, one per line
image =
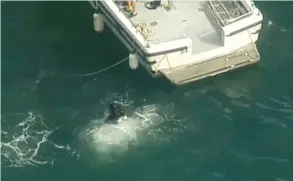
x=216 y=23
x=182 y=45
x=228 y=12
x=249 y=12
x=208 y=9
x=125 y=21
x=173 y=39
x=230 y=21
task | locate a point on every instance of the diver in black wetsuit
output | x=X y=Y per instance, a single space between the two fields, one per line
x=116 y=111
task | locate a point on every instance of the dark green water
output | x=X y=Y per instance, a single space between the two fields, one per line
x=237 y=126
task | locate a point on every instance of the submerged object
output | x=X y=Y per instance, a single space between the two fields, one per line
x=111 y=134
x=116 y=112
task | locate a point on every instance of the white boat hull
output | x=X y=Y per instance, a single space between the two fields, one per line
x=188 y=58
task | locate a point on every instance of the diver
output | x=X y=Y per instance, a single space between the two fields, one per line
x=116 y=112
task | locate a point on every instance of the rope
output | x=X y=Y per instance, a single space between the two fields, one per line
x=96 y=72
x=144 y=29
x=95 y=6
x=101 y=70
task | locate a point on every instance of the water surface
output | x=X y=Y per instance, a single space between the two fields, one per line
x=237 y=126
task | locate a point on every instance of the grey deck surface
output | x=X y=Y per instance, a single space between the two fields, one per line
x=185 y=20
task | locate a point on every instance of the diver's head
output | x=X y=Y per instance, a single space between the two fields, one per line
x=116 y=110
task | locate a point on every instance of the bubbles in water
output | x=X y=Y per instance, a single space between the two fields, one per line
x=23 y=135
x=270 y=23
x=110 y=138
x=107 y=139
x=148 y=125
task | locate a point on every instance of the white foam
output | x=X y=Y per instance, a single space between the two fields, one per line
x=22 y=137
x=109 y=138
x=271 y=23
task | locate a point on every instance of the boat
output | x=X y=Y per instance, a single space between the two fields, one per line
x=183 y=40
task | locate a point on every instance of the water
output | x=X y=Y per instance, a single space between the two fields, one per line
x=237 y=126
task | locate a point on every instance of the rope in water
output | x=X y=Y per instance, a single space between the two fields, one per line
x=96 y=72
x=101 y=70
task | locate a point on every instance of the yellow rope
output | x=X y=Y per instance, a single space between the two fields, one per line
x=144 y=29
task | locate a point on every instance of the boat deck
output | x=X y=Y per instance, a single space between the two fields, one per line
x=185 y=19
